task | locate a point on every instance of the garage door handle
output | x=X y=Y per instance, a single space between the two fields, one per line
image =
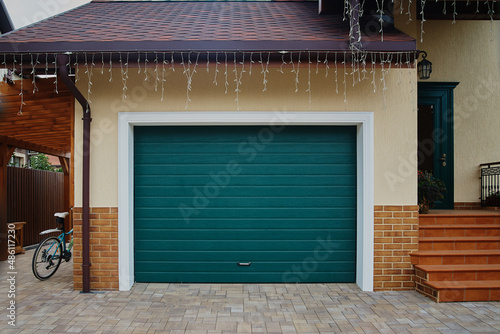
x=244 y=264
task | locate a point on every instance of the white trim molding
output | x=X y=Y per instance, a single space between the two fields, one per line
x=365 y=164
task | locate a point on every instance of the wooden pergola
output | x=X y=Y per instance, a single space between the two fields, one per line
x=42 y=122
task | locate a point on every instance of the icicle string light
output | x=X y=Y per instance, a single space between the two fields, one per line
x=283 y=63
x=408 y=12
x=156 y=72
x=33 y=71
x=422 y=4
x=317 y=62
x=146 y=61
x=251 y=63
x=336 y=75
x=226 y=83
x=373 y=57
x=22 y=88
x=309 y=77
x=55 y=73
x=380 y=10
x=327 y=67
x=163 y=63
x=454 y=5
x=216 y=67
x=139 y=62
x=265 y=70
x=189 y=74
x=110 y=68
x=359 y=71
x=124 y=80
x=345 y=80
x=89 y=73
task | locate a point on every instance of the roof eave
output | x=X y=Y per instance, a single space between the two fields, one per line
x=202 y=46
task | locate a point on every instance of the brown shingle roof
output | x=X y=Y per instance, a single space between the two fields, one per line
x=199 y=26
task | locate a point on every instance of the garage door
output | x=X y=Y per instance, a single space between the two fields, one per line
x=245 y=204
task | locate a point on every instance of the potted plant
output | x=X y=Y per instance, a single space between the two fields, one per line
x=430 y=189
x=493 y=198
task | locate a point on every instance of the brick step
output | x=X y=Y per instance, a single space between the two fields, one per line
x=451 y=257
x=462 y=291
x=461 y=272
x=460 y=230
x=458 y=243
x=462 y=219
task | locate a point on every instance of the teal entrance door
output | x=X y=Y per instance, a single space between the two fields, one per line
x=435 y=135
x=245 y=204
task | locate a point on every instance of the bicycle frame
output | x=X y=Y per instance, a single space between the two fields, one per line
x=61 y=237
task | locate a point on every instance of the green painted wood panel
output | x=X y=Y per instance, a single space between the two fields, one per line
x=208 y=198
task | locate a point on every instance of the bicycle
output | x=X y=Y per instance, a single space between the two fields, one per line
x=52 y=250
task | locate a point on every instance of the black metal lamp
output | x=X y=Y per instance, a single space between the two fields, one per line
x=424 y=67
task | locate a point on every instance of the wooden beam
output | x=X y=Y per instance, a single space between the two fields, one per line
x=68 y=223
x=33 y=147
x=6 y=152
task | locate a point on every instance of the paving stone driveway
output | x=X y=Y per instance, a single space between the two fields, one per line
x=53 y=307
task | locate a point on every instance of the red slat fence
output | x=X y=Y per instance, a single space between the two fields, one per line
x=33 y=197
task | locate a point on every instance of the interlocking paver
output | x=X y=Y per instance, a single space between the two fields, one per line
x=53 y=307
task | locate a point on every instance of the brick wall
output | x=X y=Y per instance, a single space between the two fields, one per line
x=103 y=248
x=396 y=236
x=473 y=206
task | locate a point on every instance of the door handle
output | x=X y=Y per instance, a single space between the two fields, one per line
x=443 y=159
x=244 y=264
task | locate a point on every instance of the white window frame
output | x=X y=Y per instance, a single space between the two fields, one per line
x=365 y=177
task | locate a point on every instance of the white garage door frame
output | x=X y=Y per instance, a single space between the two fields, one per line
x=365 y=165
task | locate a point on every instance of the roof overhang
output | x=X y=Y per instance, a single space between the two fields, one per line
x=156 y=26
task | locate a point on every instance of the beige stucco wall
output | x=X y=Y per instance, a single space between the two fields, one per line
x=395 y=120
x=468 y=52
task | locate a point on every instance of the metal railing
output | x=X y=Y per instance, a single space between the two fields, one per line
x=490 y=184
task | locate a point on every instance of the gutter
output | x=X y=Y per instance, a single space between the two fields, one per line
x=63 y=61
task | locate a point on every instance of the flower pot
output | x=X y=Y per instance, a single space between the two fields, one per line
x=423 y=208
x=492 y=201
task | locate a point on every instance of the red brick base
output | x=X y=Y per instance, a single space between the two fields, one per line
x=103 y=249
x=473 y=206
x=396 y=236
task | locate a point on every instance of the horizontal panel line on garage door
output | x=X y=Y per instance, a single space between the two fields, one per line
x=269 y=224
x=244 y=202
x=231 y=234
x=319 y=252
x=241 y=245
x=252 y=180
x=247 y=213
x=243 y=162
x=249 y=191
x=220 y=170
x=262 y=267
x=247 y=278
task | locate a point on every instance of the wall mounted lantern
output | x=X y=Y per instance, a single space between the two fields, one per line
x=424 y=67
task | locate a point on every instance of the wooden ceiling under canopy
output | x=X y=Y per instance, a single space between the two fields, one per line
x=45 y=123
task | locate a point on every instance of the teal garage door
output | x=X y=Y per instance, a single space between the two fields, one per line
x=245 y=204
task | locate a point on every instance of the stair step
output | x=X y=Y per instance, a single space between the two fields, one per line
x=458 y=243
x=464 y=291
x=460 y=230
x=463 y=272
x=451 y=219
x=451 y=257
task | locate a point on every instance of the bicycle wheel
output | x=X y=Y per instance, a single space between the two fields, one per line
x=47 y=258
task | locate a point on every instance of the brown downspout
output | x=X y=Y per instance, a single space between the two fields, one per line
x=63 y=61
